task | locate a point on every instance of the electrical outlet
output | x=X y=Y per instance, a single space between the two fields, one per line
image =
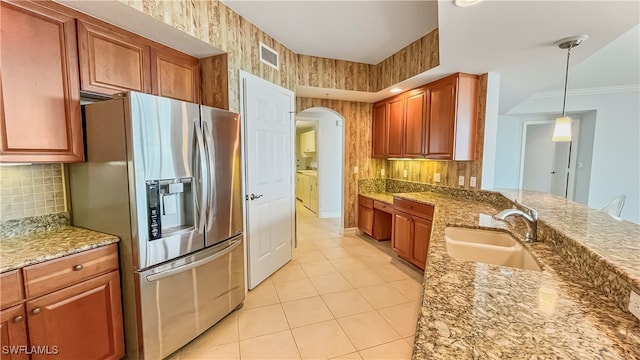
x=382 y=172
x=355 y=169
x=472 y=181
x=404 y=173
x=461 y=180
x=634 y=304
x=436 y=177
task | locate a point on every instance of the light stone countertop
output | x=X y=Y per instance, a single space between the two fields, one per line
x=20 y=251
x=478 y=311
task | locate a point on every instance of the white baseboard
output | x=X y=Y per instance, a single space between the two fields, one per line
x=329 y=214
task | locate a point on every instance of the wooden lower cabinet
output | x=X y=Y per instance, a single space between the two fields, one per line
x=365 y=219
x=412 y=231
x=83 y=321
x=13 y=333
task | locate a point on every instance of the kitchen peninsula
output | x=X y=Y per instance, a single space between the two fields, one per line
x=475 y=310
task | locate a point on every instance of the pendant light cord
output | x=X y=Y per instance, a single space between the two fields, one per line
x=566 y=80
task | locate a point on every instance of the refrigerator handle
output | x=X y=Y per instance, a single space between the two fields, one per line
x=204 y=193
x=210 y=147
x=183 y=268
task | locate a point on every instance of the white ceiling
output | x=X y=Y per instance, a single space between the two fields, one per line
x=512 y=38
x=360 y=31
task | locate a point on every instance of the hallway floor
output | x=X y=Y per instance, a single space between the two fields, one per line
x=341 y=297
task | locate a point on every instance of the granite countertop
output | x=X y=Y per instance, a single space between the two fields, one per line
x=20 y=251
x=475 y=310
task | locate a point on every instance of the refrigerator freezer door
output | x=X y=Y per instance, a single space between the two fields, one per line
x=164 y=148
x=222 y=138
x=182 y=299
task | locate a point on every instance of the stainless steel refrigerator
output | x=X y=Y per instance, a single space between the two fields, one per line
x=164 y=176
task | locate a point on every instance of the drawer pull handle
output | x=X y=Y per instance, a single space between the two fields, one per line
x=36 y=311
x=77 y=267
x=18 y=318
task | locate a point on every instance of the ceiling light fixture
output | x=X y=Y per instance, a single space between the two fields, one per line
x=395 y=90
x=562 y=130
x=465 y=3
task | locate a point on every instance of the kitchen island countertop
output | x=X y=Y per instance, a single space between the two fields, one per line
x=475 y=310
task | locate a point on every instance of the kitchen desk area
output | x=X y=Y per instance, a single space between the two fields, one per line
x=572 y=308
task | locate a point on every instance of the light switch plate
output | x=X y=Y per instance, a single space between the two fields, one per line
x=472 y=181
x=355 y=169
x=404 y=173
x=381 y=172
x=436 y=177
x=634 y=304
x=461 y=180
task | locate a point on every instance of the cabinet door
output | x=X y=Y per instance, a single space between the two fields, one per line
x=112 y=62
x=421 y=236
x=395 y=126
x=415 y=123
x=175 y=75
x=401 y=237
x=84 y=321
x=13 y=333
x=379 y=131
x=299 y=187
x=40 y=117
x=365 y=219
x=442 y=113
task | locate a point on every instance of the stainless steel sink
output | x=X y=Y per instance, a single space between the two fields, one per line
x=487 y=246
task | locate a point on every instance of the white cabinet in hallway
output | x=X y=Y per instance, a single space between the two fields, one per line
x=307 y=189
x=308 y=142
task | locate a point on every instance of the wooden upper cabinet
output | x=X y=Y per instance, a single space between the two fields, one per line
x=40 y=117
x=174 y=74
x=112 y=60
x=451 y=133
x=395 y=126
x=379 y=130
x=442 y=99
x=415 y=123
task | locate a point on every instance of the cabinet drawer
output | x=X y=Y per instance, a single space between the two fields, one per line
x=424 y=211
x=10 y=288
x=383 y=206
x=55 y=274
x=365 y=201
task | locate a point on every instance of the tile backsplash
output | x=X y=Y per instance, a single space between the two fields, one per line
x=30 y=190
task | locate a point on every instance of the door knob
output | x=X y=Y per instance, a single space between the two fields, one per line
x=254 y=196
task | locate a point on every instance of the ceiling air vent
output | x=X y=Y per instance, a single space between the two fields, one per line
x=268 y=56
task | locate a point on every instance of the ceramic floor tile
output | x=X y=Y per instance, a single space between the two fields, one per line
x=294 y=290
x=382 y=295
x=322 y=341
x=279 y=346
x=318 y=268
x=402 y=317
x=410 y=288
x=330 y=283
x=306 y=311
x=226 y=331
x=368 y=329
x=290 y=272
x=308 y=256
x=346 y=303
x=352 y=356
x=410 y=340
x=228 y=351
x=362 y=277
x=392 y=272
x=397 y=350
x=261 y=321
x=263 y=294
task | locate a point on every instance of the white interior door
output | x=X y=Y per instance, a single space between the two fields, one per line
x=269 y=146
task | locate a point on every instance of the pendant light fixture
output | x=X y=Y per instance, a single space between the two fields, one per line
x=562 y=130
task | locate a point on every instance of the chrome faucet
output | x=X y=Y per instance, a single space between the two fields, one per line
x=530 y=217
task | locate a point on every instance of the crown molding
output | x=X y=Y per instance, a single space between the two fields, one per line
x=587 y=91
